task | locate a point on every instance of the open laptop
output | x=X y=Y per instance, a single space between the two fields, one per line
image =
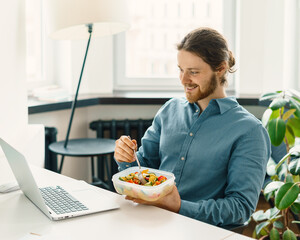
x=56 y=202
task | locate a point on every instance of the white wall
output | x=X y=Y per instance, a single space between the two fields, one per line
x=267 y=46
x=66 y=58
x=13 y=95
x=12 y=61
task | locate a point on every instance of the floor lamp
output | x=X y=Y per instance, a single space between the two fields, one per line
x=80 y=19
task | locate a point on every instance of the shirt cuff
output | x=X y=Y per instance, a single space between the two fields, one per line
x=124 y=165
x=188 y=208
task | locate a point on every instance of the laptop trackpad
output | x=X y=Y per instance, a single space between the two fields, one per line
x=94 y=200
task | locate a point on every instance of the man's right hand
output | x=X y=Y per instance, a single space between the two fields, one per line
x=124 y=150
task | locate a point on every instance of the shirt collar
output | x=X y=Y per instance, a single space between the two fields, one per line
x=226 y=104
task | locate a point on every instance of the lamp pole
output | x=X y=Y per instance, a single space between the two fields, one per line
x=74 y=103
x=90 y=30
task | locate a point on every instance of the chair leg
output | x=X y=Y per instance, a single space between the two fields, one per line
x=93 y=170
x=109 y=172
x=95 y=180
x=61 y=164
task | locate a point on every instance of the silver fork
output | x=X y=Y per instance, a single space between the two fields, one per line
x=140 y=175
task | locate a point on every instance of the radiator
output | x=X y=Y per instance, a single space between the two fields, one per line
x=114 y=129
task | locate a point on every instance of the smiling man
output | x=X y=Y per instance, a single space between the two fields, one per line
x=216 y=149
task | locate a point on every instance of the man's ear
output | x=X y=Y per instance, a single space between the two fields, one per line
x=221 y=69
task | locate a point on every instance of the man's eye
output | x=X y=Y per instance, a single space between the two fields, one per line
x=193 y=73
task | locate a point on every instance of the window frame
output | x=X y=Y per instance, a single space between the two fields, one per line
x=45 y=72
x=123 y=83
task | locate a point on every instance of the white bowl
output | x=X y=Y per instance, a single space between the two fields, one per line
x=148 y=193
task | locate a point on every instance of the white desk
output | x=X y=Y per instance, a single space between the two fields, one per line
x=19 y=218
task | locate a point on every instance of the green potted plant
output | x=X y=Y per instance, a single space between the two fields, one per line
x=282 y=120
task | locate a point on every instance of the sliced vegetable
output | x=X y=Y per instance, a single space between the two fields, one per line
x=151 y=178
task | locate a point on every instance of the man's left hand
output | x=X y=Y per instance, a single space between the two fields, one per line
x=171 y=202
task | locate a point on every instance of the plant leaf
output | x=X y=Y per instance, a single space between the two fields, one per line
x=298 y=199
x=274 y=234
x=278 y=103
x=273 y=186
x=278 y=224
x=294 y=166
x=272 y=213
x=260 y=226
x=289 y=178
x=296 y=99
x=295 y=94
x=282 y=160
x=259 y=216
x=290 y=135
x=287 y=114
x=289 y=235
x=294 y=151
x=295 y=124
x=281 y=171
x=286 y=195
x=295 y=105
x=268 y=96
x=275 y=114
x=276 y=130
x=270 y=195
x=266 y=116
x=296 y=178
x=295 y=207
x=264 y=232
x=271 y=167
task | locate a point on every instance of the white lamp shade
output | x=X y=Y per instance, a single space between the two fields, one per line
x=67 y=19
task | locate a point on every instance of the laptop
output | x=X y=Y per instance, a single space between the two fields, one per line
x=56 y=202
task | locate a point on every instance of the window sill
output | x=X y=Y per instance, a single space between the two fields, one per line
x=122 y=98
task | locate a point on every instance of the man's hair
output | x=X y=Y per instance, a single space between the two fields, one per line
x=211 y=46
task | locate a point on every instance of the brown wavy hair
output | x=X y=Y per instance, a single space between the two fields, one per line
x=211 y=46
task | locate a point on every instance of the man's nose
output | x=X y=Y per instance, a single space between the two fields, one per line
x=185 y=78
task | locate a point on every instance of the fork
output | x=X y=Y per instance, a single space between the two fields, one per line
x=140 y=175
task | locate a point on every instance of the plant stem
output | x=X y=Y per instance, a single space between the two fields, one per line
x=287 y=147
x=288 y=160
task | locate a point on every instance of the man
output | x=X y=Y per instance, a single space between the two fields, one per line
x=217 y=150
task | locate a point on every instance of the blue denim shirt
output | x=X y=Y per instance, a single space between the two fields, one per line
x=218 y=157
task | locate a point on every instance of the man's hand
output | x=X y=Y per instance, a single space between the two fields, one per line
x=124 y=149
x=171 y=202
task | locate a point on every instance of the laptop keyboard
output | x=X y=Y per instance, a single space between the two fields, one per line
x=60 y=201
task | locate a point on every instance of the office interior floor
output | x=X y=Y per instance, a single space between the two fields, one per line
x=263 y=205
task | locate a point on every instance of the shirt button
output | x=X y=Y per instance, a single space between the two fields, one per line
x=127 y=165
x=197 y=110
x=182 y=158
x=191 y=134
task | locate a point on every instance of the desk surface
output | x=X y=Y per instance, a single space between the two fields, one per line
x=19 y=218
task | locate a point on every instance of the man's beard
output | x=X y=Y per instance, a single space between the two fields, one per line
x=194 y=97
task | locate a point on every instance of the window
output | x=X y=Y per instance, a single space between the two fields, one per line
x=33 y=40
x=145 y=56
x=39 y=49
